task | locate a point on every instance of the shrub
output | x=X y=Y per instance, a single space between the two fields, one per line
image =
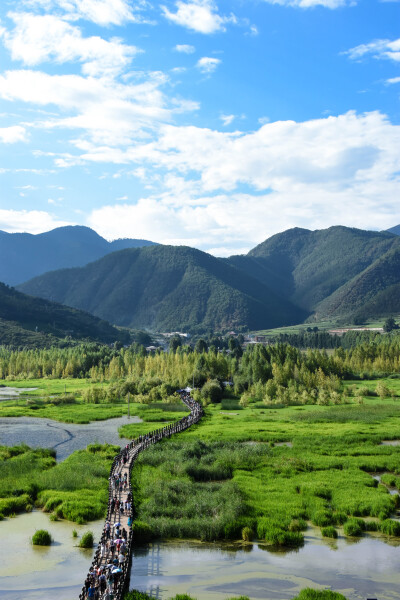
x=136 y=595
x=247 y=534
x=298 y=525
x=74 y=533
x=41 y=537
x=339 y=518
x=310 y=594
x=212 y=391
x=354 y=527
x=390 y=527
x=276 y=536
x=323 y=518
x=86 y=540
x=142 y=532
x=329 y=532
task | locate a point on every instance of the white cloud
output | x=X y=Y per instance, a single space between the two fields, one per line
x=13 y=134
x=101 y=12
x=39 y=38
x=314 y=174
x=31 y=221
x=378 y=49
x=199 y=15
x=332 y=4
x=185 y=48
x=227 y=119
x=110 y=112
x=393 y=80
x=206 y=64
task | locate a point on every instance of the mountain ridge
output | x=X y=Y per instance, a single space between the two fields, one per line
x=166 y=287
x=30 y=255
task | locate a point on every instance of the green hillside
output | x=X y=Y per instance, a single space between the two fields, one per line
x=167 y=287
x=374 y=292
x=316 y=263
x=25 y=320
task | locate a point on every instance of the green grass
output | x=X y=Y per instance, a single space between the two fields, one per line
x=41 y=537
x=45 y=402
x=323 y=478
x=76 y=489
x=86 y=540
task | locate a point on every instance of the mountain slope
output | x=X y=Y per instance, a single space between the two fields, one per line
x=31 y=255
x=167 y=287
x=308 y=266
x=395 y=230
x=19 y=311
x=374 y=292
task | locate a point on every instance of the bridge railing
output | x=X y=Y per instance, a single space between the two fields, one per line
x=131 y=452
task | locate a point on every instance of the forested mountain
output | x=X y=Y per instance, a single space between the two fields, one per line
x=338 y=272
x=26 y=255
x=375 y=291
x=167 y=287
x=309 y=266
x=25 y=320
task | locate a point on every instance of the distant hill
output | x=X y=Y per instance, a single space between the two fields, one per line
x=25 y=320
x=395 y=230
x=73 y=246
x=167 y=288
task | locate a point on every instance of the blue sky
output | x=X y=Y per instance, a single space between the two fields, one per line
x=208 y=123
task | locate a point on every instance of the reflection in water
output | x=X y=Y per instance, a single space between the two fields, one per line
x=366 y=568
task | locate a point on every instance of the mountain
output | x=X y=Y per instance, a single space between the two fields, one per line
x=374 y=292
x=25 y=320
x=308 y=267
x=395 y=230
x=167 y=288
x=73 y=246
x=339 y=272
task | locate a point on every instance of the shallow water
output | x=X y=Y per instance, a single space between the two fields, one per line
x=11 y=393
x=390 y=443
x=65 y=438
x=368 y=568
x=31 y=573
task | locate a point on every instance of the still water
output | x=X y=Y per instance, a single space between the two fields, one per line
x=368 y=568
x=365 y=569
x=64 y=438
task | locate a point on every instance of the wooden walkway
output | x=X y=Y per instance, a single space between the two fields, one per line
x=113 y=587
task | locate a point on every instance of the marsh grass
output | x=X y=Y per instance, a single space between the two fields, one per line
x=41 y=537
x=86 y=540
x=76 y=489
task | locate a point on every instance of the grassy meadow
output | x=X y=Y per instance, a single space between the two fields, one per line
x=261 y=471
x=265 y=473
x=76 y=489
x=63 y=400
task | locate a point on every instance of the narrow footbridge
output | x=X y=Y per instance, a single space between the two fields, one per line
x=101 y=583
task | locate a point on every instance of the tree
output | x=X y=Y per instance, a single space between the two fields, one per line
x=212 y=391
x=174 y=343
x=390 y=324
x=201 y=346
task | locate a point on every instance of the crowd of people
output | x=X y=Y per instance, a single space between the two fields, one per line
x=106 y=576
